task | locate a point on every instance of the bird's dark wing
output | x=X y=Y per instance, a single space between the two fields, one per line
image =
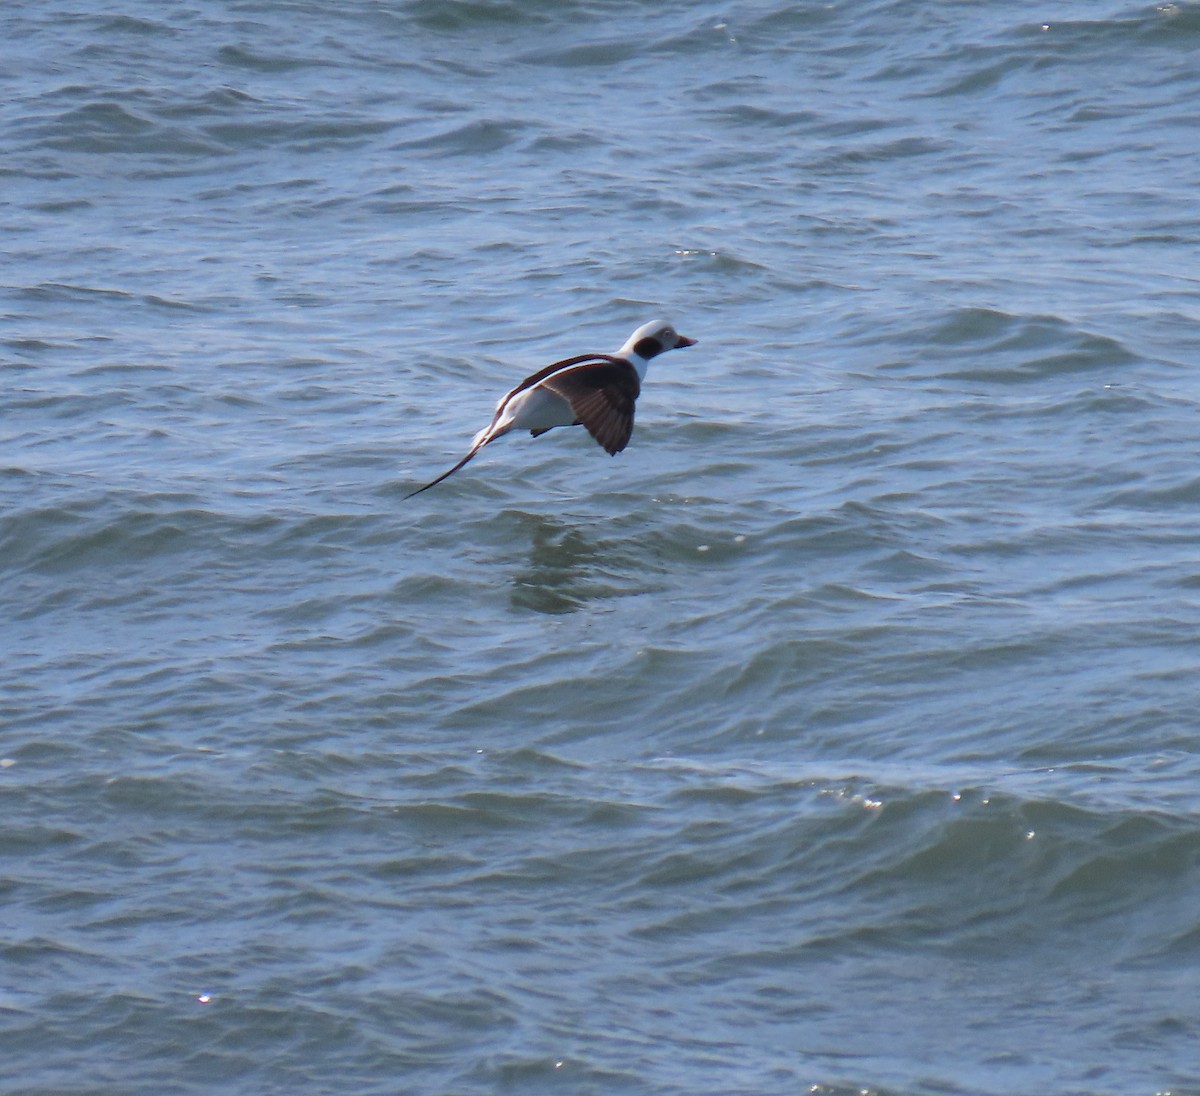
x=554 y=367
x=602 y=395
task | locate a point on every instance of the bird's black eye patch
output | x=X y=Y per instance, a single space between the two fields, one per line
x=647 y=348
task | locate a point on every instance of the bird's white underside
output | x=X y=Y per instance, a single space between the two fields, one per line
x=533 y=409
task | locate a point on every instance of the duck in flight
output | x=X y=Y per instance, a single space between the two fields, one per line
x=596 y=391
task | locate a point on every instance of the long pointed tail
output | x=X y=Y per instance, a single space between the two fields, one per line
x=446 y=475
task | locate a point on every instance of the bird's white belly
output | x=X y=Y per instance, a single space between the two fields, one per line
x=538 y=409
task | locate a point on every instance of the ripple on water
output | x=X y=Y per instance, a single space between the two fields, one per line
x=1012 y=349
x=838 y=737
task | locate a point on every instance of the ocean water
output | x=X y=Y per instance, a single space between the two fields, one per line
x=841 y=736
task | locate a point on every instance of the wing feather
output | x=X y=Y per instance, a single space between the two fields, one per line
x=602 y=396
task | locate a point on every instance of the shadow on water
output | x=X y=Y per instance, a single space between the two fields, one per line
x=559 y=576
x=568 y=568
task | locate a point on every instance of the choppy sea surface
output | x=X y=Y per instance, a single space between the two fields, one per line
x=842 y=735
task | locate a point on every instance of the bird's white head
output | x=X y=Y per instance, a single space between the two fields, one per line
x=650 y=340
